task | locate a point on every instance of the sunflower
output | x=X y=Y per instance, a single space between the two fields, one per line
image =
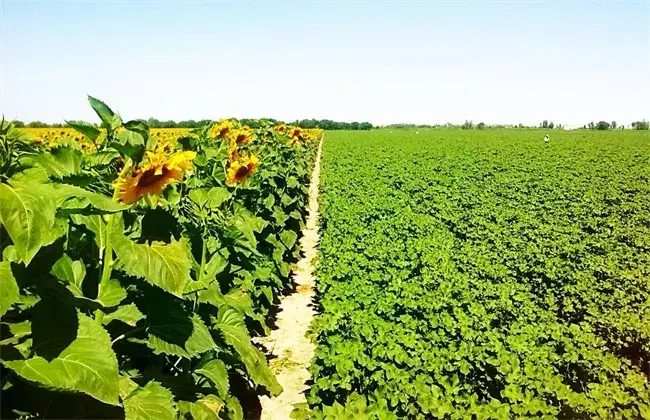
x=238 y=170
x=221 y=129
x=280 y=128
x=165 y=146
x=153 y=176
x=241 y=135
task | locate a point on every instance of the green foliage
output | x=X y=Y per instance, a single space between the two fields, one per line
x=483 y=274
x=146 y=310
x=602 y=125
x=333 y=125
x=86 y=364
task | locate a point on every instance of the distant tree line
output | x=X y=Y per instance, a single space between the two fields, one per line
x=338 y=125
x=333 y=125
x=604 y=125
x=467 y=125
x=546 y=124
x=255 y=123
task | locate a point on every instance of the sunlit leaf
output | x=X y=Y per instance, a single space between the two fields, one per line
x=9 y=289
x=87 y=365
x=151 y=402
x=231 y=324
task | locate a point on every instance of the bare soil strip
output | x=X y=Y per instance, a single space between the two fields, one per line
x=293 y=351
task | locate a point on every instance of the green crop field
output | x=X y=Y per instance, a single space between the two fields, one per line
x=484 y=273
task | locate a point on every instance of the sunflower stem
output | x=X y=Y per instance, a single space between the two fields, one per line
x=107 y=265
x=204 y=250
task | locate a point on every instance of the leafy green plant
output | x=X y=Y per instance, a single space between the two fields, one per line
x=483 y=275
x=131 y=284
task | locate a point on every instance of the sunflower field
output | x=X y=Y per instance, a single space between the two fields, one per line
x=137 y=264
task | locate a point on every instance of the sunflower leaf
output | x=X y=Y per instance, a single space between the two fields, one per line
x=9 y=290
x=164 y=265
x=71 y=272
x=199 y=410
x=60 y=163
x=231 y=324
x=28 y=212
x=110 y=120
x=151 y=402
x=85 y=362
x=175 y=330
x=129 y=314
x=88 y=130
x=216 y=371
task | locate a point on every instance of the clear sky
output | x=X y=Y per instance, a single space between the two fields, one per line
x=380 y=61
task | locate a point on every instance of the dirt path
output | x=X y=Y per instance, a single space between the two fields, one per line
x=288 y=343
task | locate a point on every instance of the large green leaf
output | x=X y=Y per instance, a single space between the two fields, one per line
x=88 y=364
x=129 y=314
x=288 y=238
x=201 y=410
x=140 y=127
x=151 y=402
x=130 y=143
x=102 y=158
x=18 y=330
x=231 y=324
x=164 y=265
x=178 y=337
x=71 y=272
x=215 y=265
x=74 y=199
x=173 y=329
x=88 y=130
x=215 y=370
x=236 y=298
x=60 y=163
x=9 y=290
x=110 y=120
x=111 y=293
x=126 y=386
x=27 y=210
x=235 y=411
x=211 y=198
x=212 y=295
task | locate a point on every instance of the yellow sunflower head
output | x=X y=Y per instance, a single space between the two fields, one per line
x=153 y=176
x=222 y=129
x=241 y=135
x=240 y=169
x=295 y=132
x=280 y=128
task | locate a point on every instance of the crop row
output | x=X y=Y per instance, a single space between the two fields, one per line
x=135 y=268
x=483 y=275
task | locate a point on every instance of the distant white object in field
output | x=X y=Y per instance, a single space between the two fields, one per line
x=417 y=132
x=546 y=138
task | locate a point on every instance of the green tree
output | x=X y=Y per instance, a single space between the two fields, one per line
x=602 y=125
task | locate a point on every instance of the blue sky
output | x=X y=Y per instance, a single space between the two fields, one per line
x=378 y=61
